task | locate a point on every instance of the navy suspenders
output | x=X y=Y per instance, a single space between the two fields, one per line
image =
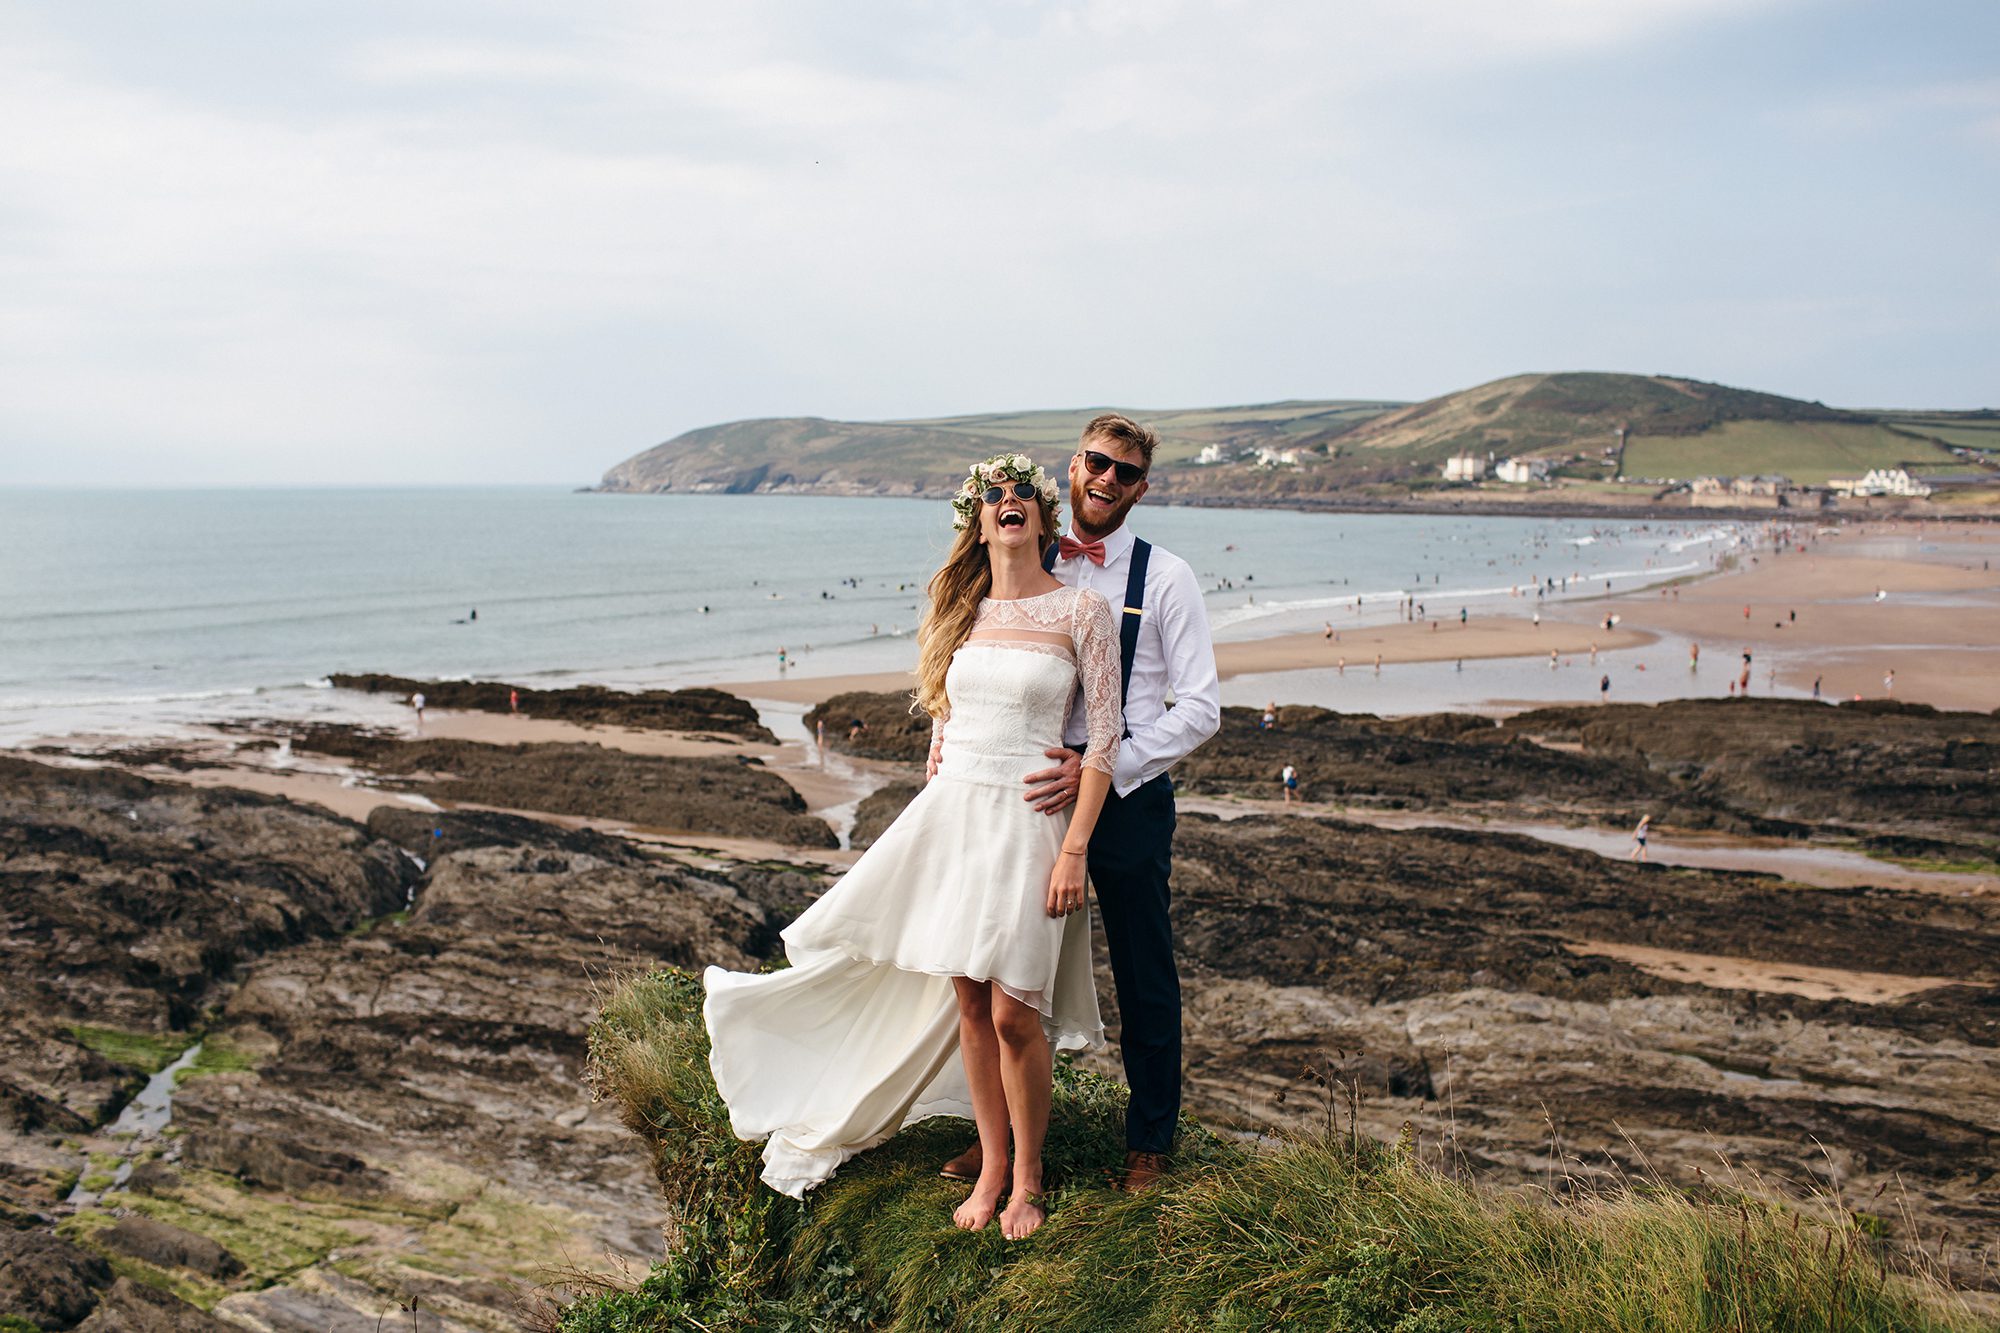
x=1134 y=612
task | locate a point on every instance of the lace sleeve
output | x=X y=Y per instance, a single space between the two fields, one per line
x=937 y=739
x=1096 y=640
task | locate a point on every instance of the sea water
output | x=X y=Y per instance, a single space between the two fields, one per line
x=127 y=611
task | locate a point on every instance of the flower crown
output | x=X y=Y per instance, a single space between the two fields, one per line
x=1000 y=470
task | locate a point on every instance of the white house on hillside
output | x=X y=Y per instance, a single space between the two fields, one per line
x=1464 y=467
x=1210 y=453
x=1521 y=471
x=1881 y=481
x=1277 y=458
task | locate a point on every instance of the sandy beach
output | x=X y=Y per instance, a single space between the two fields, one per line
x=1811 y=614
x=1480 y=638
x=1816 y=613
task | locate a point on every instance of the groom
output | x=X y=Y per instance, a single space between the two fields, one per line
x=1163 y=630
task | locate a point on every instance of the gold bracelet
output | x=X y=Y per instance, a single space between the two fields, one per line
x=1068 y=852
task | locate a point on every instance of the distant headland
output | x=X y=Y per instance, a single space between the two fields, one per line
x=1580 y=442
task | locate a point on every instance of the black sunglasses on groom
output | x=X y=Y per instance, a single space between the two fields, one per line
x=1128 y=474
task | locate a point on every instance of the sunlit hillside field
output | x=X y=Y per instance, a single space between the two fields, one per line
x=1811 y=452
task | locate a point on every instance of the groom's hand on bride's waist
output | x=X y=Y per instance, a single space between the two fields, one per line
x=1051 y=789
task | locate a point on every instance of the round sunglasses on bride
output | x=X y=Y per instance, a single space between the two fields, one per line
x=1023 y=490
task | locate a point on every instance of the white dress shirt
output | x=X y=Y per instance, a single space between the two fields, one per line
x=1175 y=655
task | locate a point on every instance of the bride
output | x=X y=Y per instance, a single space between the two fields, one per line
x=937 y=975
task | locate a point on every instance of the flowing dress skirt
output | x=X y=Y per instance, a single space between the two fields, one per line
x=859 y=1036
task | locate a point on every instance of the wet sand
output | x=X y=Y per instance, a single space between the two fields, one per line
x=1751 y=974
x=1816 y=614
x=1812 y=614
x=1807 y=866
x=1480 y=638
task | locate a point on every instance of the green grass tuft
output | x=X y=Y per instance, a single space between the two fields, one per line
x=218 y=1055
x=147 y=1052
x=1321 y=1232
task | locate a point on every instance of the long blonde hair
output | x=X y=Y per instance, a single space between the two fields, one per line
x=955 y=590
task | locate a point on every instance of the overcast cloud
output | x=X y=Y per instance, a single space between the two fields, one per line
x=429 y=242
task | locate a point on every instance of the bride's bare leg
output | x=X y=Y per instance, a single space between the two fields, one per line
x=980 y=1048
x=1025 y=1073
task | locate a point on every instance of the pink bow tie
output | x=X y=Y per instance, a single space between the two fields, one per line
x=1069 y=548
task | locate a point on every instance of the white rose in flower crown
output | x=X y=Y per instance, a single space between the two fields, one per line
x=1000 y=470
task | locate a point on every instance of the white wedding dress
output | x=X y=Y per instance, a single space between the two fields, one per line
x=859 y=1036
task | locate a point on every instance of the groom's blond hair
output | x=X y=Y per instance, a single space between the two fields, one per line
x=1122 y=430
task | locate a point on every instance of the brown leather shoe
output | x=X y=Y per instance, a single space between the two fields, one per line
x=1143 y=1171
x=966 y=1165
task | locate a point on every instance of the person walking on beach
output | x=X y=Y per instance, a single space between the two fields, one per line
x=1744 y=683
x=1165 y=649
x=1604 y=688
x=1639 y=837
x=417 y=703
x=936 y=974
x=1694 y=657
x=1289 y=778
x=1816 y=681
x=513 y=700
x=1889 y=682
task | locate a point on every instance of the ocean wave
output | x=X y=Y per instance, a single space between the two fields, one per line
x=132 y=700
x=1221 y=618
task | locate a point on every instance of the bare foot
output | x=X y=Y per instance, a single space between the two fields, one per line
x=1023 y=1216
x=977 y=1211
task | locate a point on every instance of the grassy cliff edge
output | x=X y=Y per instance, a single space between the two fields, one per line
x=1327 y=1231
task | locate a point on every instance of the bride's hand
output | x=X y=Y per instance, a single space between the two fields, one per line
x=1066 y=884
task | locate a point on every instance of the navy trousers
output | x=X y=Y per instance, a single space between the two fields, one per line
x=1131 y=854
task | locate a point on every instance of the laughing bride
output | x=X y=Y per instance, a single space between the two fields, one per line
x=940 y=973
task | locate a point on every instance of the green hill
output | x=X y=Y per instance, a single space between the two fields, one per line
x=1591 y=427
x=929 y=457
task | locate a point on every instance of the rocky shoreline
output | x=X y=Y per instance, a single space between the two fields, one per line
x=387 y=1107
x=731 y=795
x=698 y=711
x=401 y=1116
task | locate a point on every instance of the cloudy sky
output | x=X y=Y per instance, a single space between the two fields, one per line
x=246 y=242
